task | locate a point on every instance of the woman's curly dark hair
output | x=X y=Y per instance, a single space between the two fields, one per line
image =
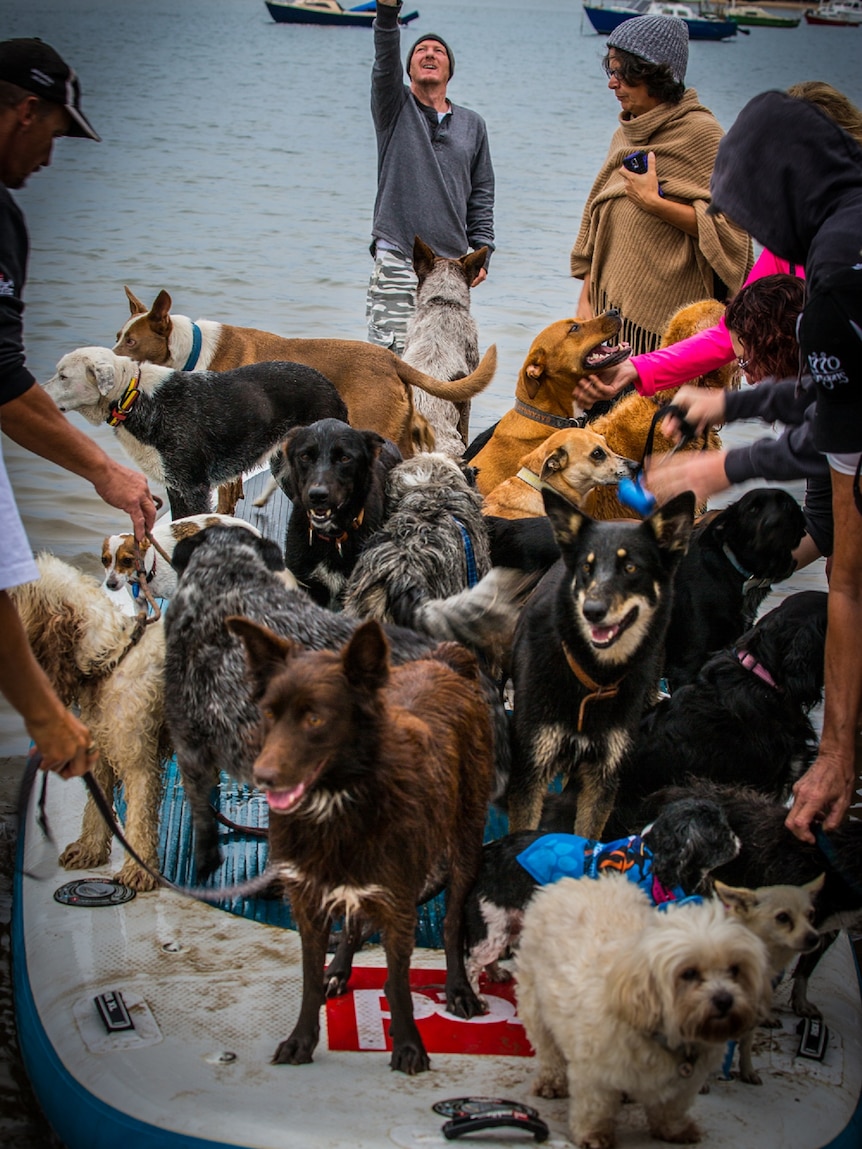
x=632 y=70
x=763 y=317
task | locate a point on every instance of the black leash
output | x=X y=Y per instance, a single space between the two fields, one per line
x=246 y=889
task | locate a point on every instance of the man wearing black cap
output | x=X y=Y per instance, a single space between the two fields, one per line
x=40 y=99
x=434 y=173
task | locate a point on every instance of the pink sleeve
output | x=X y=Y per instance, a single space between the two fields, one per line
x=683 y=361
x=677 y=364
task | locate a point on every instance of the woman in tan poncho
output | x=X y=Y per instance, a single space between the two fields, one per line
x=645 y=253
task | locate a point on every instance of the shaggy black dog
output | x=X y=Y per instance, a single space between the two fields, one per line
x=743 y=721
x=733 y=558
x=770 y=855
x=335 y=477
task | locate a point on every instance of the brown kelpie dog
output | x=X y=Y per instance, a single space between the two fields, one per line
x=378 y=781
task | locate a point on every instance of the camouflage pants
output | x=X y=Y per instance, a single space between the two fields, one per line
x=391 y=300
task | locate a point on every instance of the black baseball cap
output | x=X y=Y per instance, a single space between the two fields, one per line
x=33 y=65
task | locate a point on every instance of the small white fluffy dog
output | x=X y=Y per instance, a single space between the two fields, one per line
x=619 y=998
x=120 y=563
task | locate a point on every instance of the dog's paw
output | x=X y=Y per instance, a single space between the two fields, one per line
x=771 y=1022
x=688 y=1133
x=77 y=856
x=410 y=1058
x=207 y=861
x=802 y=1007
x=750 y=1077
x=335 y=984
x=135 y=878
x=550 y=1087
x=463 y=1002
x=295 y=1050
x=600 y=1139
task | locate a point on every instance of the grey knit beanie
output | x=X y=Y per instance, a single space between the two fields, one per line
x=658 y=39
x=439 y=40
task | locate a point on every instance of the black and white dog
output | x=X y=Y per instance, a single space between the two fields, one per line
x=688 y=839
x=734 y=557
x=210 y=705
x=588 y=653
x=335 y=477
x=192 y=430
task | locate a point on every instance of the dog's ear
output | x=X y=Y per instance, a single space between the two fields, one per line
x=160 y=315
x=556 y=461
x=633 y=993
x=376 y=443
x=814 y=887
x=534 y=370
x=737 y=899
x=100 y=372
x=135 y=305
x=366 y=656
x=270 y=552
x=473 y=264
x=673 y=523
x=423 y=258
x=566 y=519
x=184 y=550
x=266 y=652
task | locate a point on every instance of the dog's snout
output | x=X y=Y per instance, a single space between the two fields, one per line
x=595 y=608
x=722 y=1002
x=318 y=495
x=265 y=776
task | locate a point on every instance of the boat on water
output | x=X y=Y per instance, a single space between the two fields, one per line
x=151 y=1019
x=703 y=24
x=759 y=17
x=327 y=12
x=838 y=13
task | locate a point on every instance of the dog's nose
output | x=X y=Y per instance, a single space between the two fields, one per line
x=614 y=312
x=722 y=1002
x=266 y=777
x=318 y=495
x=595 y=609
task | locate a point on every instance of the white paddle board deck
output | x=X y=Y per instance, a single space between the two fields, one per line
x=211 y=994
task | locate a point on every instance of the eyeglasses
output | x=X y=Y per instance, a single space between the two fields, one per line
x=614 y=74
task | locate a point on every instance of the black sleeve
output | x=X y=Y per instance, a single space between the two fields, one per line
x=15 y=379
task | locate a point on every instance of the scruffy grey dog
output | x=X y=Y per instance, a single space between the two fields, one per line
x=433 y=543
x=210 y=704
x=442 y=339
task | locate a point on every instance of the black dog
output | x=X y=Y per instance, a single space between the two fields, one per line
x=743 y=721
x=770 y=855
x=209 y=704
x=734 y=557
x=687 y=840
x=588 y=653
x=193 y=429
x=335 y=477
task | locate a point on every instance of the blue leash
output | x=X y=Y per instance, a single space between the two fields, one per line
x=472 y=572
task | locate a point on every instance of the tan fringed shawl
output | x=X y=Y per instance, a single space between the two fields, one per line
x=639 y=264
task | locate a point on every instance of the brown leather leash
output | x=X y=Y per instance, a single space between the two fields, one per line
x=598 y=693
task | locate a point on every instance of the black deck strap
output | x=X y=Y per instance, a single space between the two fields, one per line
x=472 y=1114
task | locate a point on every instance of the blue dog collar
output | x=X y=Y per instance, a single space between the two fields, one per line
x=194 y=354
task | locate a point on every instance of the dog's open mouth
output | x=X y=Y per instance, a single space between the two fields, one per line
x=283 y=801
x=604 y=636
x=606 y=355
x=322 y=521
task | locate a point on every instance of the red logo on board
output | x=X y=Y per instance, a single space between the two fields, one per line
x=359 y=1021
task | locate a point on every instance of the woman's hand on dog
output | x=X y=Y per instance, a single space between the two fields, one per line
x=64 y=742
x=702 y=408
x=822 y=794
x=604 y=384
x=699 y=471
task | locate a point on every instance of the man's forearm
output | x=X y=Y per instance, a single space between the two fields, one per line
x=36 y=423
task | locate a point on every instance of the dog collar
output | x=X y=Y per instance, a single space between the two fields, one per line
x=750 y=663
x=469 y=556
x=751 y=579
x=686 y=1055
x=119 y=412
x=337 y=539
x=549 y=420
x=531 y=479
x=598 y=693
x=194 y=354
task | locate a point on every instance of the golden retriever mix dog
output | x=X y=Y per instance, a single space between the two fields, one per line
x=626 y=426
x=571 y=462
x=544 y=402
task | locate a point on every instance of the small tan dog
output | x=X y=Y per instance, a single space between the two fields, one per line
x=781 y=917
x=544 y=401
x=571 y=462
x=626 y=426
x=619 y=998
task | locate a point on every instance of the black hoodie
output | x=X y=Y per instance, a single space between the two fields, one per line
x=789 y=175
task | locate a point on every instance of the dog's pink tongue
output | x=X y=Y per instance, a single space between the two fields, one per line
x=283 y=800
x=602 y=635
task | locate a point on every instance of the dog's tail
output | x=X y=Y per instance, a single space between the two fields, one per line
x=455 y=390
x=482 y=618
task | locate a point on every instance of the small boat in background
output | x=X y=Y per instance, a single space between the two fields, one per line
x=703 y=24
x=840 y=13
x=759 y=17
x=326 y=12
